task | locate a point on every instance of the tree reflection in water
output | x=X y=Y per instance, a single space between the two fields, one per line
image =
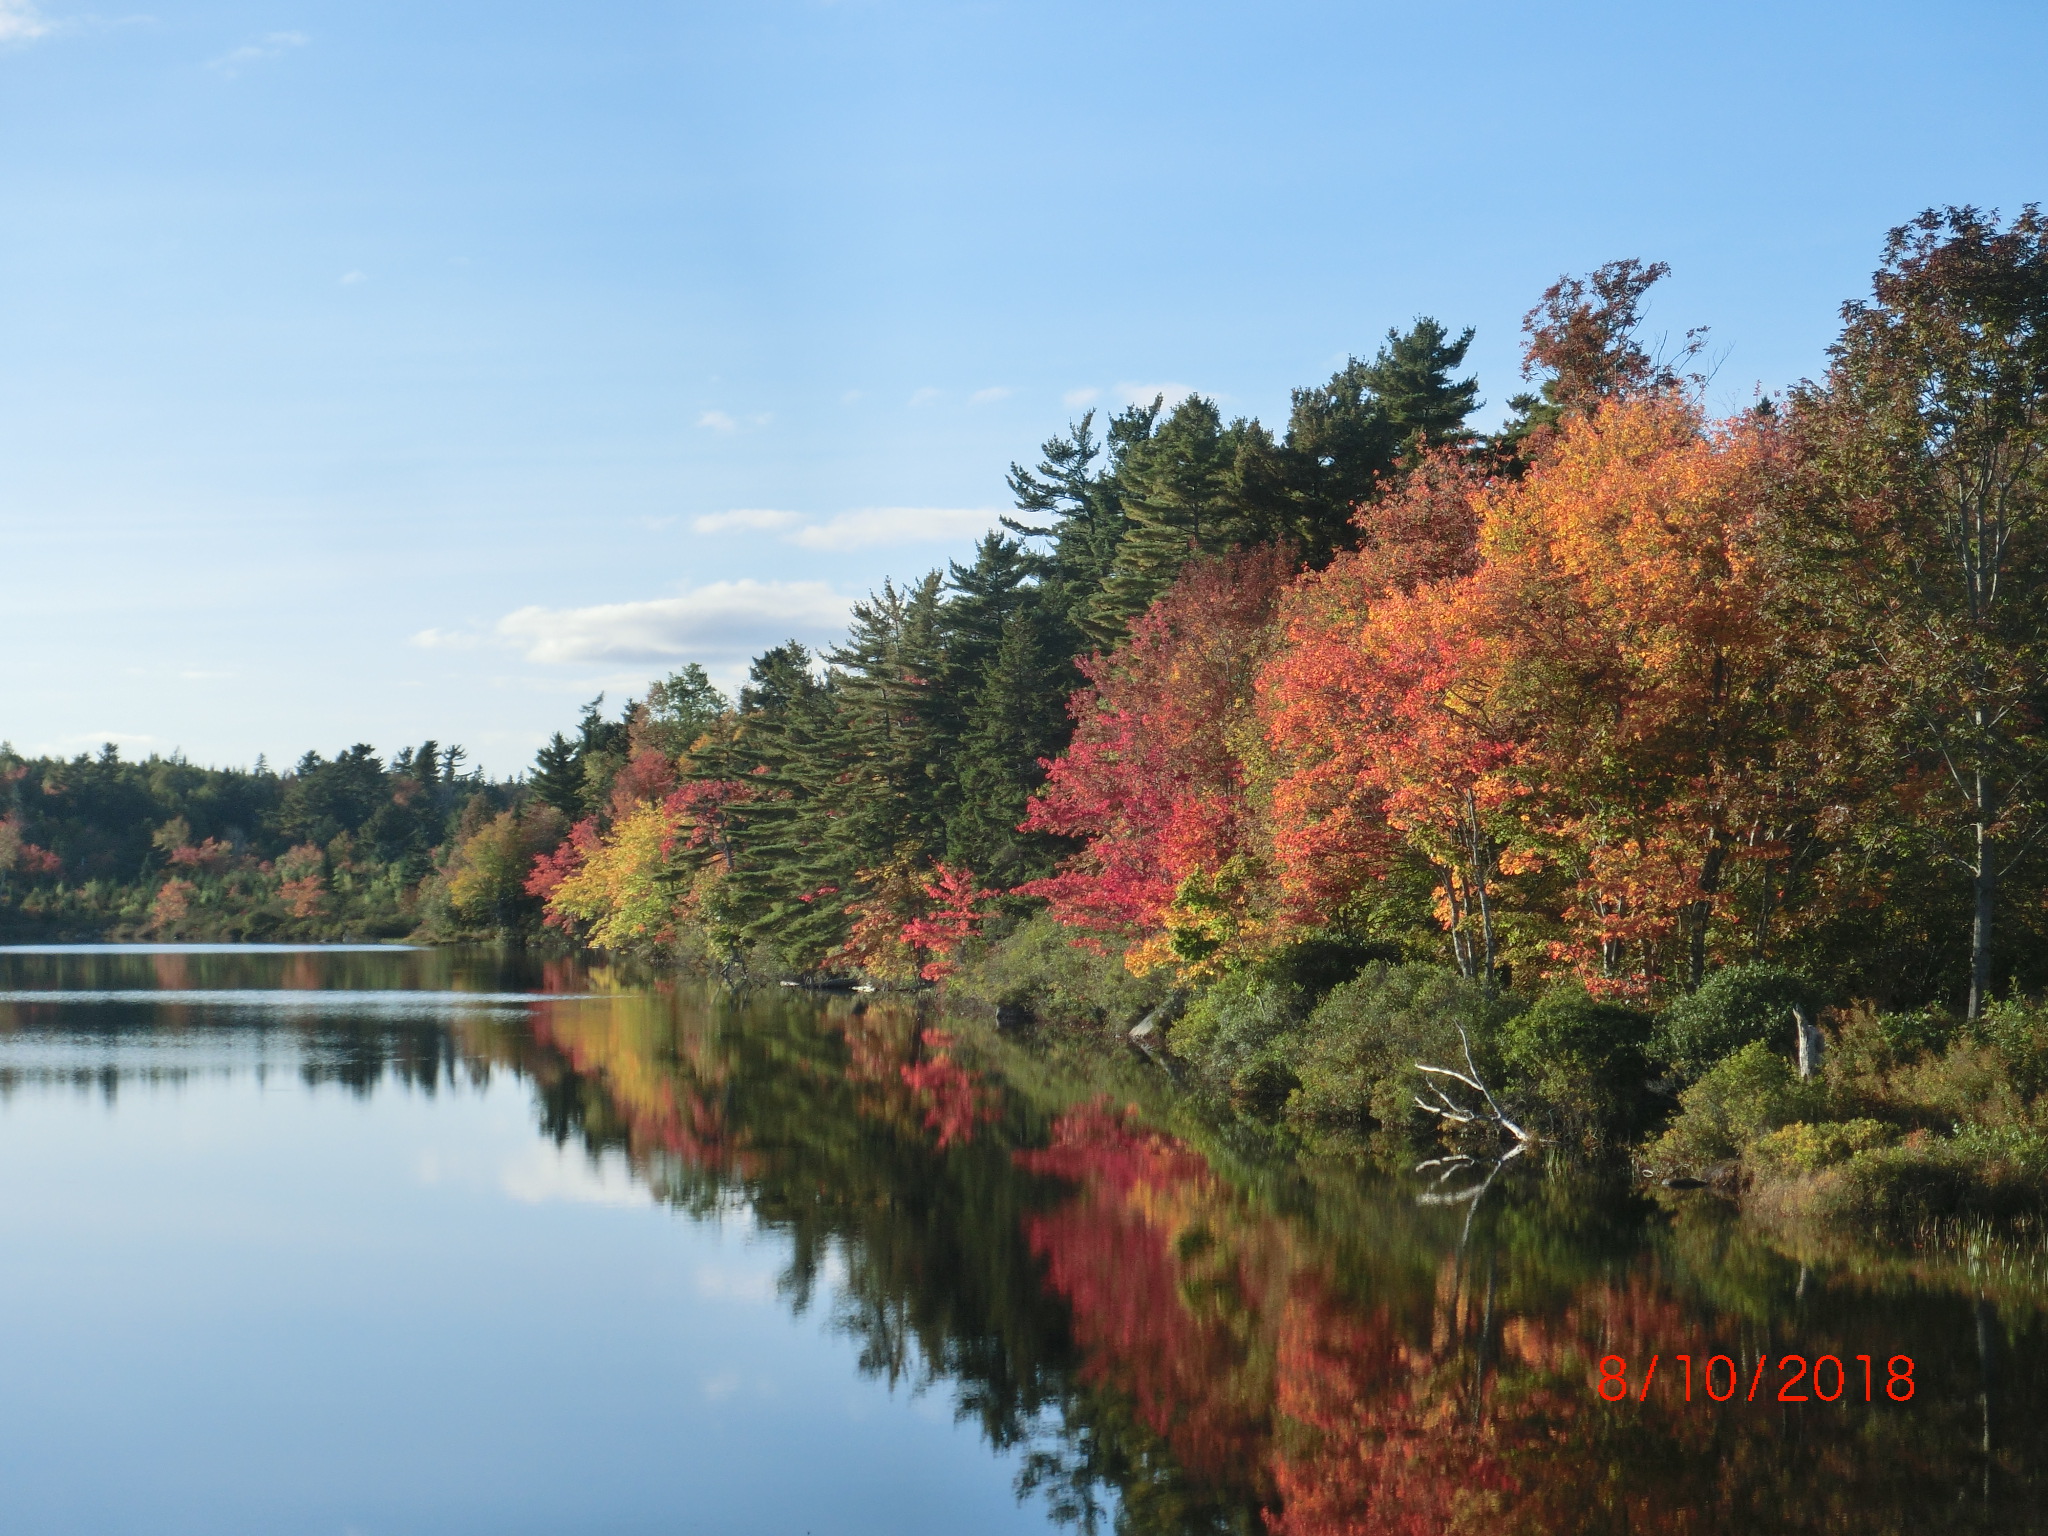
x=1187 y=1335
x=1180 y=1329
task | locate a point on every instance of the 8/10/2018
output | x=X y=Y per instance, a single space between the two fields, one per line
x=1825 y=1379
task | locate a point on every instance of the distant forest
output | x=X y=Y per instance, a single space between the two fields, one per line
x=1619 y=694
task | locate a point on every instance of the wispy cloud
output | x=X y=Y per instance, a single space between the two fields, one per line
x=989 y=396
x=861 y=528
x=725 y=423
x=925 y=396
x=1074 y=399
x=871 y=526
x=760 y=520
x=446 y=640
x=350 y=279
x=723 y=619
x=21 y=22
x=272 y=45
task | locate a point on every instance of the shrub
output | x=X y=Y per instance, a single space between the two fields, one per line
x=1734 y=1007
x=1315 y=963
x=1738 y=1101
x=1263 y=1086
x=1804 y=1147
x=2018 y=1032
x=1583 y=1063
x=1240 y=1019
x=1357 y=1051
x=1038 y=967
x=1981 y=1171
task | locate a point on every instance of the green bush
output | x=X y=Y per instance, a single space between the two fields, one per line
x=1804 y=1147
x=1737 y=1102
x=1316 y=963
x=1239 y=1020
x=1734 y=1007
x=1038 y=967
x=1921 y=1032
x=1981 y=1172
x=1582 y=1062
x=1355 y=1055
x=2018 y=1031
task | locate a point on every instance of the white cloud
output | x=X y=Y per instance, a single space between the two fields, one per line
x=724 y=618
x=350 y=279
x=1074 y=399
x=271 y=45
x=718 y=421
x=445 y=640
x=894 y=525
x=759 y=519
x=1145 y=394
x=862 y=528
x=925 y=396
x=21 y=22
x=989 y=396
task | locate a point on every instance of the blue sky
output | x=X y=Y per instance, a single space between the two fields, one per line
x=374 y=371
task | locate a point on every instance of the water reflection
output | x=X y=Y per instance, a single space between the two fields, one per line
x=1169 y=1326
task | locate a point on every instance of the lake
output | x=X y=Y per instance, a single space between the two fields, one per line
x=375 y=1240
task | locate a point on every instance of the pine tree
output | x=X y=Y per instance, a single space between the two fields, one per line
x=1181 y=496
x=887 y=795
x=1410 y=379
x=1016 y=719
x=558 y=775
x=1345 y=438
x=769 y=895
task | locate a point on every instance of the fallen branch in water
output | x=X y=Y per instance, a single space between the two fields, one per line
x=1448 y=1109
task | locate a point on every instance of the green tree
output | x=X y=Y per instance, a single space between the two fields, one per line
x=1925 y=541
x=1016 y=720
x=677 y=711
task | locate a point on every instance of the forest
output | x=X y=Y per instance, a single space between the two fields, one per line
x=1604 y=757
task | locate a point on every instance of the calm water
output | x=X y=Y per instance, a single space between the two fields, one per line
x=390 y=1241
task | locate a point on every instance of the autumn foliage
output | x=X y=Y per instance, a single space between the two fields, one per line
x=1156 y=778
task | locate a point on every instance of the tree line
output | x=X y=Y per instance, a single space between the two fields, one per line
x=1618 y=694
x=353 y=845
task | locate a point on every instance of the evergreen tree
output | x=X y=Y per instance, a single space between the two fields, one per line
x=1081 y=506
x=1182 y=496
x=558 y=775
x=769 y=896
x=1016 y=719
x=888 y=792
x=602 y=748
x=1345 y=438
x=1410 y=378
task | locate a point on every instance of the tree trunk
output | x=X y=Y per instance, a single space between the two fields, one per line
x=1986 y=893
x=1482 y=868
x=1809 y=1042
x=1699 y=911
